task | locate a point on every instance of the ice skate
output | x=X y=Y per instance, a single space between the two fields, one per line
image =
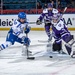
x=73 y=55
x=24 y=53
x=61 y=52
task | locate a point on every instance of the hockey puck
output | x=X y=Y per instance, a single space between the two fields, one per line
x=51 y=56
x=31 y=58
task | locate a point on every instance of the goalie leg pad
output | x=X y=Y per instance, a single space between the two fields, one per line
x=69 y=44
x=57 y=46
x=68 y=48
x=68 y=38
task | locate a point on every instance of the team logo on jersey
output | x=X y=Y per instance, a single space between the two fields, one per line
x=59 y=25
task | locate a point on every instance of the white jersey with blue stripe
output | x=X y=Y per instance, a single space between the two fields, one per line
x=18 y=27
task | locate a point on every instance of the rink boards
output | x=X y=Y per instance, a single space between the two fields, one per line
x=6 y=21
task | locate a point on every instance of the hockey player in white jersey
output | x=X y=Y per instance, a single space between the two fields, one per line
x=60 y=32
x=17 y=32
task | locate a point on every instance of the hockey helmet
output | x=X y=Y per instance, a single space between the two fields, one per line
x=22 y=15
x=55 y=19
x=50 y=5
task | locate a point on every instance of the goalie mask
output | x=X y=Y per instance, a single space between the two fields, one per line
x=55 y=19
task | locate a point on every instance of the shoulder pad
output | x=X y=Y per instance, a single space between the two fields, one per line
x=55 y=11
x=16 y=22
x=45 y=11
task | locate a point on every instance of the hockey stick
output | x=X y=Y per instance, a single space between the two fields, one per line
x=35 y=22
x=43 y=41
x=64 y=10
x=28 y=56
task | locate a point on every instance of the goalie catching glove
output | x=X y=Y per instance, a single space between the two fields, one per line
x=38 y=22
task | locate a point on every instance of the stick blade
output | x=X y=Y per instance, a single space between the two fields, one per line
x=31 y=58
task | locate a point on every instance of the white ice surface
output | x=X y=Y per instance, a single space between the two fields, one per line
x=13 y=63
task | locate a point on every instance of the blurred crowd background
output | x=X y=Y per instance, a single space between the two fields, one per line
x=34 y=6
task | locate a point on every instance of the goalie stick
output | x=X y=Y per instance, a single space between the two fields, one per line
x=64 y=10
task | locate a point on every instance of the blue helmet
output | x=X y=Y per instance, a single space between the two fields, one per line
x=50 y=5
x=22 y=15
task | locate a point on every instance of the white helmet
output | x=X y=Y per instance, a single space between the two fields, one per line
x=55 y=19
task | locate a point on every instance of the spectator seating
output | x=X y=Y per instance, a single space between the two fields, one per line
x=33 y=11
x=28 y=6
x=19 y=4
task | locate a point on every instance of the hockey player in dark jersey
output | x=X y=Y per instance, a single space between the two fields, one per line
x=46 y=15
x=60 y=32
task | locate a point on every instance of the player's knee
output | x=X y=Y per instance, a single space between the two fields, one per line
x=57 y=46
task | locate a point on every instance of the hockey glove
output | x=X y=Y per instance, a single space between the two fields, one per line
x=27 y=30
x=26 y=41
x=38 y=22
